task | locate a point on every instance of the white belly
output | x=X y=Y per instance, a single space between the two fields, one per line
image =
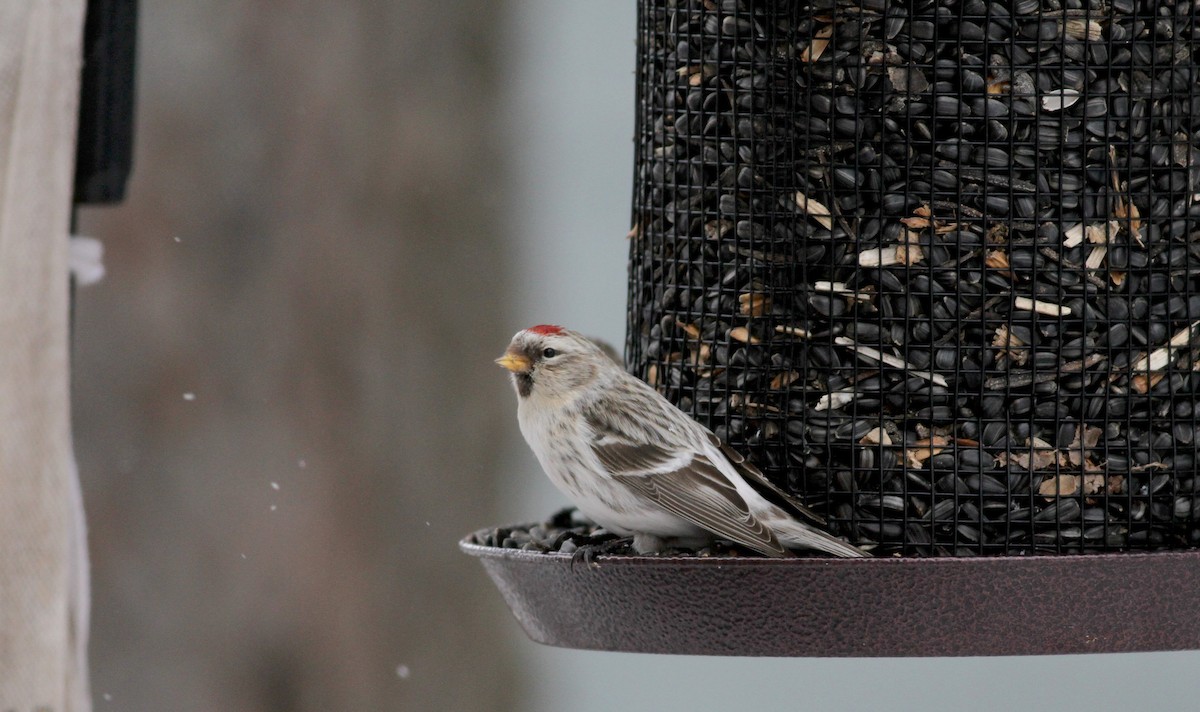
x=577 y=473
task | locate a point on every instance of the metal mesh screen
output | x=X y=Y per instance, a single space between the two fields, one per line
x=932 y=265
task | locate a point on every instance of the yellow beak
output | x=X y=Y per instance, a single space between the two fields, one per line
x=514 y=362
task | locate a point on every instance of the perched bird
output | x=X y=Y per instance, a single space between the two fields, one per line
x=639 y=466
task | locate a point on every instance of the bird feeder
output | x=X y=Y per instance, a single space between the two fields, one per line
x=934 y=267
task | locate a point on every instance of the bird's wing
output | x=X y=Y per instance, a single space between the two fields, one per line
x=756 y=479
x=685 y=484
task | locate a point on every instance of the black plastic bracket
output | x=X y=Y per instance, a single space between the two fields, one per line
x=104 y=152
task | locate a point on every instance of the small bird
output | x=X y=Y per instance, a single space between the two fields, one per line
x=639 y=466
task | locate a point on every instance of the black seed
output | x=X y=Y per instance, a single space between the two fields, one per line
x=907 y=114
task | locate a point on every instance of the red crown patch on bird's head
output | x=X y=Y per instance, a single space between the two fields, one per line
x=545 y=329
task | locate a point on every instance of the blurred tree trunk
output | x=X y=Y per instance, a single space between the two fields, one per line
x=43 y=569
x=286 y=410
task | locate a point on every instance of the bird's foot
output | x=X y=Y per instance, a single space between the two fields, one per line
x=588 y=547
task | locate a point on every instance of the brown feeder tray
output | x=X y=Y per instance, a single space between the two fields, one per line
x=819 y=607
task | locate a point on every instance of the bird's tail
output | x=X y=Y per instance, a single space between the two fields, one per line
x=798 y=535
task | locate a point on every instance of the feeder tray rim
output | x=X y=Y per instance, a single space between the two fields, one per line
x=1130 y=601
x=496 y=552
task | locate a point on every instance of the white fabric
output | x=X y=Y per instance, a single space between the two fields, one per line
x=43 y=570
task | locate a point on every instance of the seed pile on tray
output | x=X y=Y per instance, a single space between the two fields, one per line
x=570 y=532
x=933 y=265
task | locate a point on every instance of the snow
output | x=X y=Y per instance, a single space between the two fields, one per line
x=85 y=256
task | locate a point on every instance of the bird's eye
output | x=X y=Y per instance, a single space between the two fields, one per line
x=549 y=353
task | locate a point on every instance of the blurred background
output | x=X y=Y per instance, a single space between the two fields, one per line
x=286 y=410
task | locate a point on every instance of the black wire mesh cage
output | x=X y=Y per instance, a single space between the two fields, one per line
x=935 y=265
